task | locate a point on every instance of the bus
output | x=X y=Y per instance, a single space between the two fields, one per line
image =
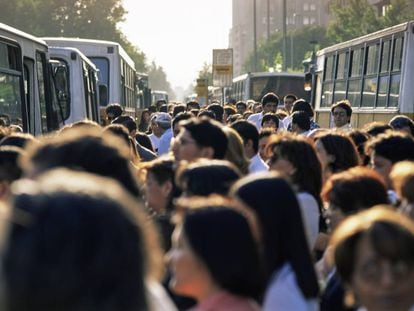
x=255 y=85
x=79 y=96
x=117 y=73
x=374 y=72
x=157 y=95
x=143 y=91
x=27 y=96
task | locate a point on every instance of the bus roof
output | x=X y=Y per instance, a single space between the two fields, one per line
x=361 y=40
x=67 y=50
x=80 y=43
x=16 y=32
x=268 y=74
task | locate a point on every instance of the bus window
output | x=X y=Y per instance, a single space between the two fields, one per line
x=103 y=65
x=397 y=55
x=385 y=56
x=40 y=65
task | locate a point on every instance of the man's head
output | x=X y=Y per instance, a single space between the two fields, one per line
x=269 y=102
x=341 y=112
x=113 y=111
x=288 y=101
x=163 y=121
x=250 y=136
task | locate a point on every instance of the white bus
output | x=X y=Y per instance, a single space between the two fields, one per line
x=78 y=91
x=256 y=85
x=116 y=70
x=27 y=94
x=374 y=72
x=157 y=95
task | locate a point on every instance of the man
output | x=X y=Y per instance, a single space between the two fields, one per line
x=300 y=123
x=341 y=114
x=250 y=136
x=288 y=101
x=163 y=121
x=241 y=107
x=112 y=112
x=269 y=103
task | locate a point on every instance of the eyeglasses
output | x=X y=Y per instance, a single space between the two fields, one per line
x=339 y=114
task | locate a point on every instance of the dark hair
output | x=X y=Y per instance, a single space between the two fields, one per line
x=247 y=131
x=205 y=177
x=400 y=121
x=193 y=105
x=229 y=251
x=390 y=234
x=115 y=109
x=375 y=128
x=355 y=189
x=301 y=119
x=180 y=117
x=17 y=139
x=292 y=96
x=342 y=148
x=178 y=109
x=144 y=140
x=9 y=167
x=360 y=138
x=266 y=132
x=218 y=111
x=301 y=153
x=270 y=98
x=344 y=104
x=283 y=232
x=270 y=116
x=303 y=105
x=207 y=113
x=241 y=103
x=88 y=223
x=126 y=121
x=393 y=146
x=84 y=149
x=208 y=133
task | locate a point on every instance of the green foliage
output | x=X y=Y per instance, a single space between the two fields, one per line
x=206 y=73
x=358 y=18
x=157 y=79
x=270 y=54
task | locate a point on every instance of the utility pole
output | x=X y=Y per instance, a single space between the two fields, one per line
x=254 y=38
x=284 y=34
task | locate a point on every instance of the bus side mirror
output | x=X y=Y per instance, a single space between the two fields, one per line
x=103 y=95
x=308 y=82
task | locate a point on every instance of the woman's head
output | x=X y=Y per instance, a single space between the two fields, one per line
x=295 y=158
x=66 y=229
x=205 y=177
x=271 y=120
x=214 y=245
x=235 y=150
x=374 y=255
x=282 y=229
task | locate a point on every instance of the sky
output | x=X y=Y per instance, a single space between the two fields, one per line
x=179 y=35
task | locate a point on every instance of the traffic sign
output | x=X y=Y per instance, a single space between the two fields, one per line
x=222 y=67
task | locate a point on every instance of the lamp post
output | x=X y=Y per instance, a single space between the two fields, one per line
x=254 y=38
x=284 y=34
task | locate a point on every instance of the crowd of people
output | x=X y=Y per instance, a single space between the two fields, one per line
x=237 y=207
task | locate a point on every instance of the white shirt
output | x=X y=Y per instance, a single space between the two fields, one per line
x=257 y=165
x=344 y=128
x=310 y=216
x=256 y=119
x=284 y=294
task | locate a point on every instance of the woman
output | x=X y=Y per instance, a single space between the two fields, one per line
x=235 y=150
x=374 y=254
x=337 y=153
x=78 y=242
x=215 y=257
x=144 y=122
x=289 y=272
x=295 y=159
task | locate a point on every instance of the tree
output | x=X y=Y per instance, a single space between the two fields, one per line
x=270 y=53
x=157 y=79
x=399 y=11
x=206 y=73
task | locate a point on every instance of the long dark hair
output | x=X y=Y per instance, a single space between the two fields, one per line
x=283 y=232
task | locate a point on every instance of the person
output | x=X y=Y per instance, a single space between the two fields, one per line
x=113 y=111
x=218 y=111
x=205 y=177
x=250 y=136
x=220 y=268
x=341 y=113
x=374 y=255
x=86 y=149
x=336 y=152
x=71 y=213
x=156 y=133
x=10 y=170
x=271 y=120
x=192 y=105
x=294 y=157
x=200 y=138
x=300 y=105
x=387 y=149
x=179 y=108
x=268 y=103
x=290 y=275
x=264 y=136
x=143 y=140
x=176 y=121
x=144 y=121
x=300 y=123
x=17 y=139
x=235 y=150
x=375 y=128
x=163 y=121
x=360 y=138
x=402 y=179
x=228 y=112
x=288 y=101
x=345 y=194
x=241 y=107
x=402 y=123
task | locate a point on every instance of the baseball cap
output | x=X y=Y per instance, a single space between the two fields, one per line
x=163 y=119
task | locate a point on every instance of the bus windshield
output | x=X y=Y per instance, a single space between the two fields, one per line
x=280 y=85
